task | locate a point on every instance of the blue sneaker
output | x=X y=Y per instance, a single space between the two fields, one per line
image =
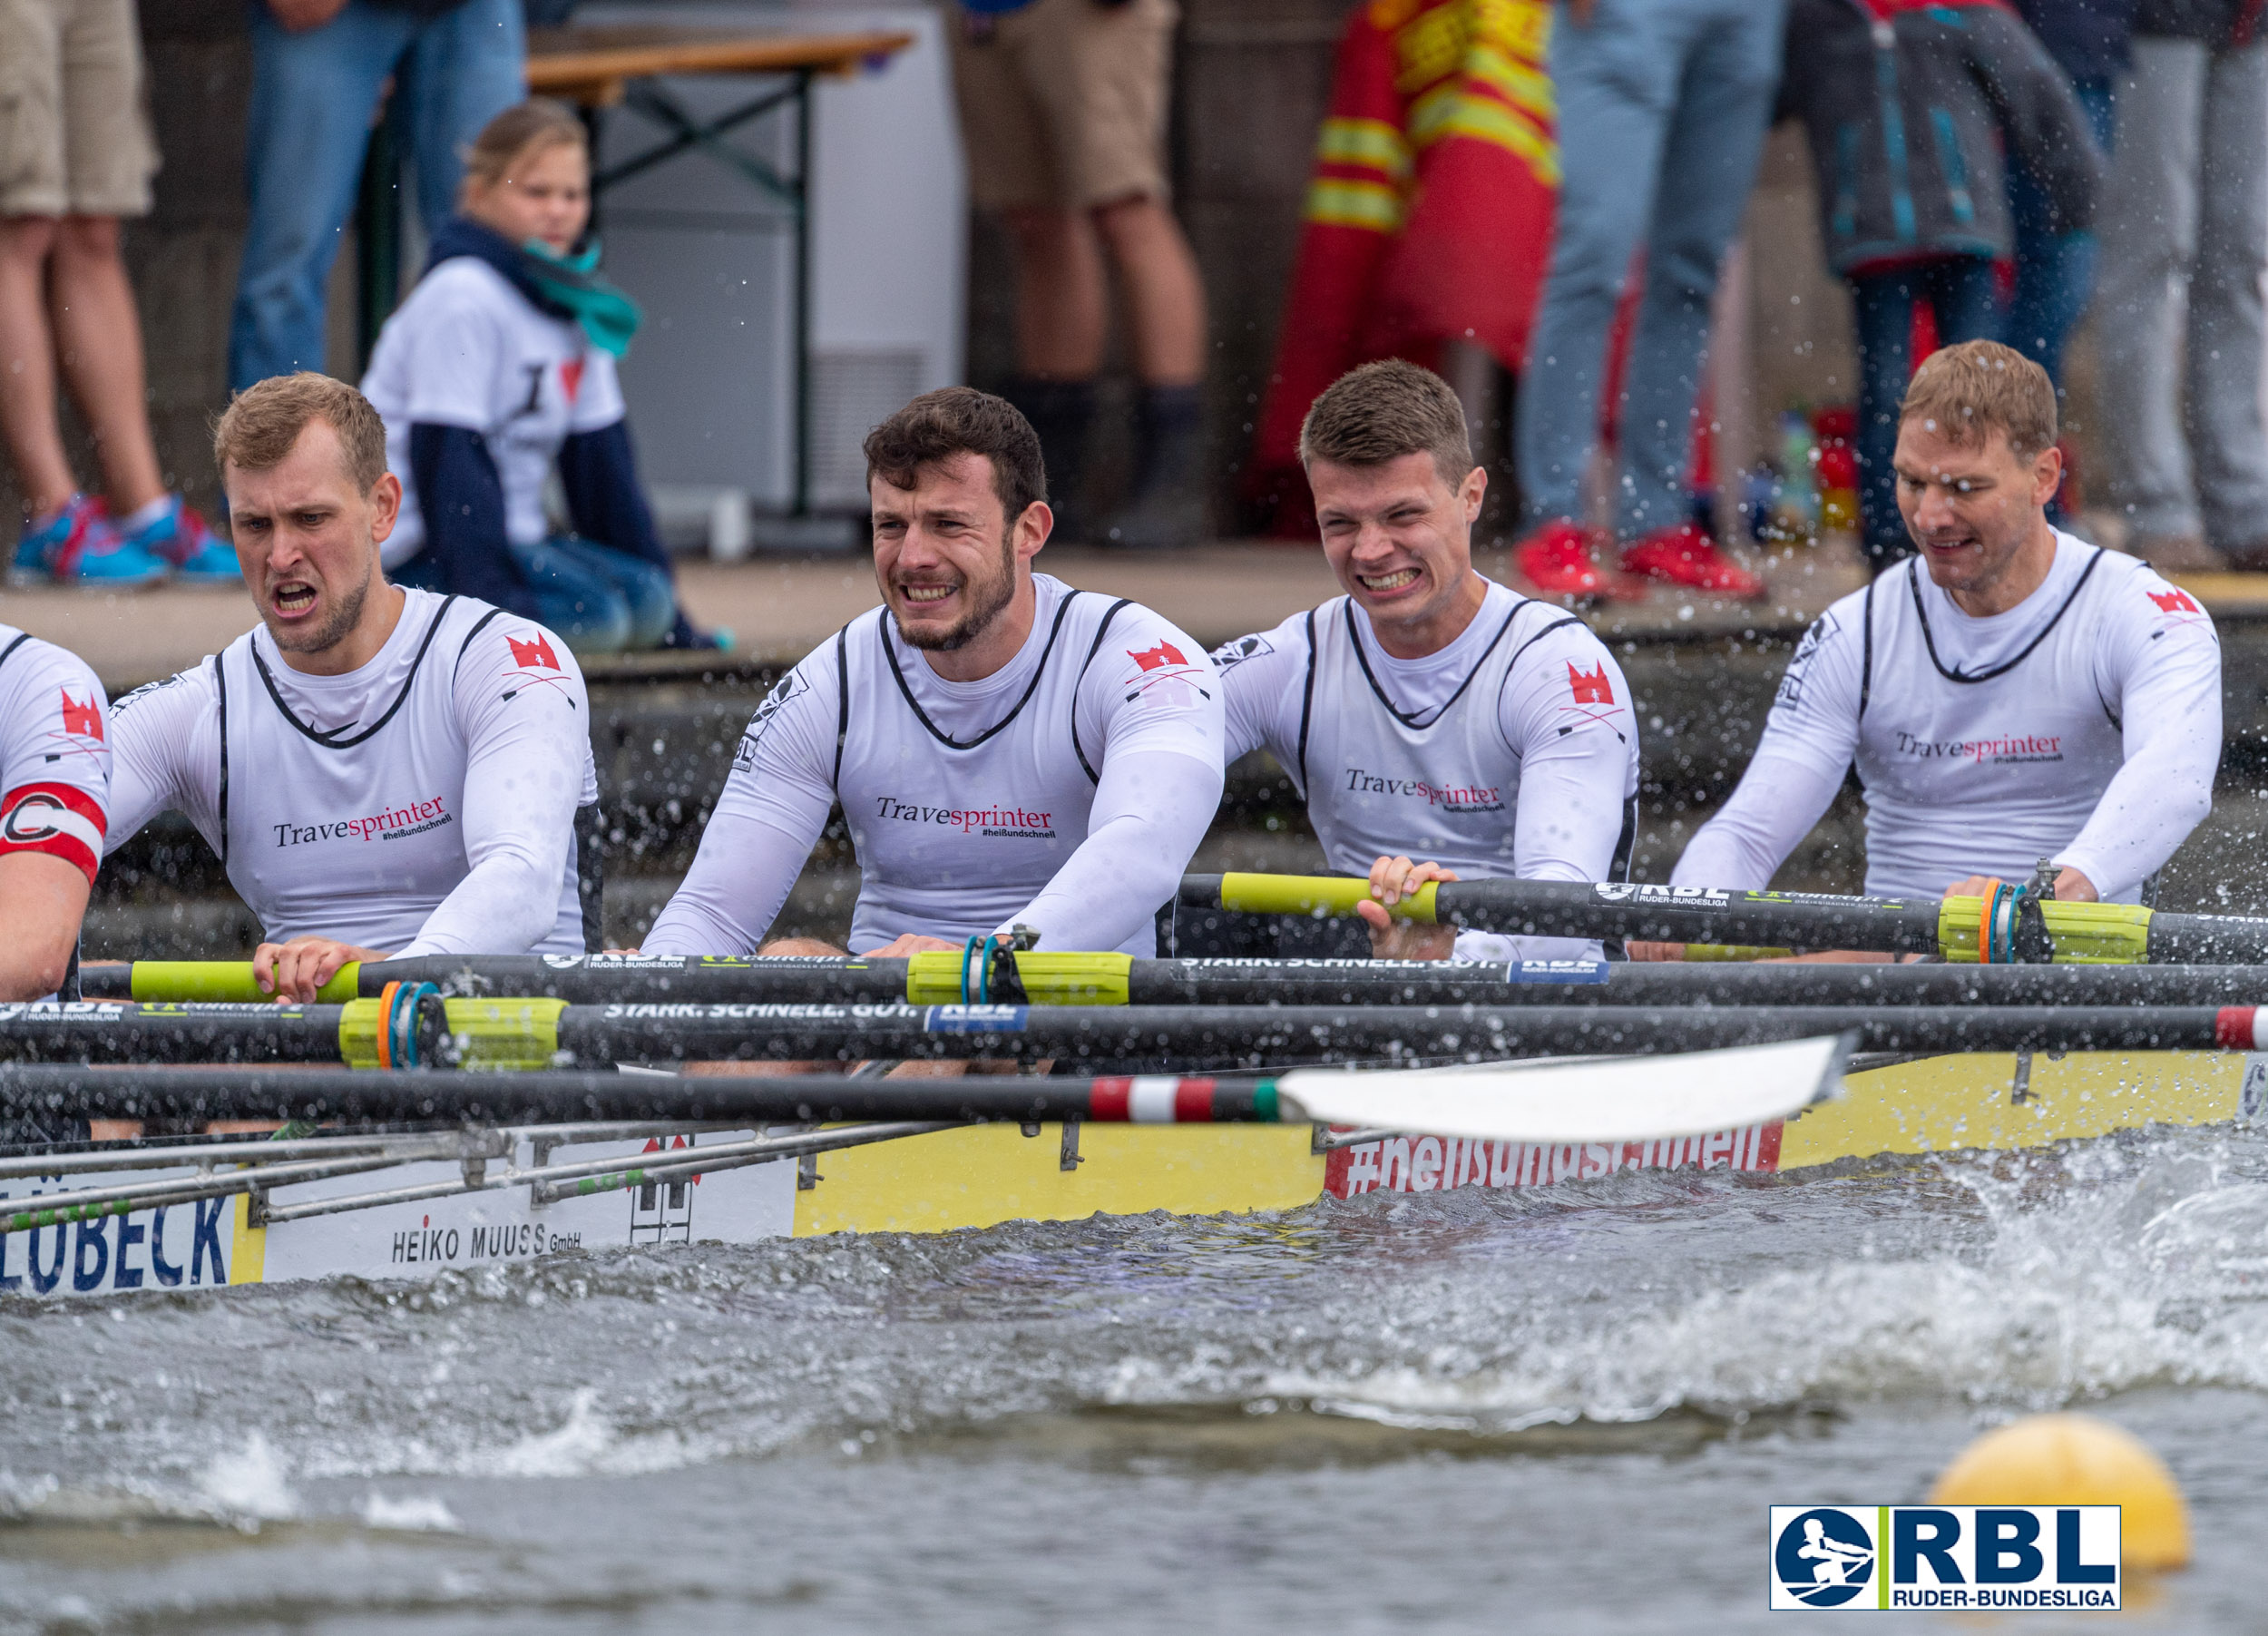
x=80 y=545
x=198 y=555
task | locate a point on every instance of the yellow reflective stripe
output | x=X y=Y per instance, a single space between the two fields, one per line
x=1365 y=204
x=1364 y=141
x=1522 y=84
x=1452 y=112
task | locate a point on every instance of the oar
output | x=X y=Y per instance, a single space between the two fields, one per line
x=528 y=1035
x=1628 y=1099
x=1077 y=979
x=2004 y=925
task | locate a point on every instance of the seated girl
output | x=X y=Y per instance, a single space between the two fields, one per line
x=501 y=365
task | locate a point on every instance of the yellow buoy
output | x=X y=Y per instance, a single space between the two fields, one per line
x=2076 y=1460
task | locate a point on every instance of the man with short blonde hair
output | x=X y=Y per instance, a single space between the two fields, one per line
x=2009 y=695
x=382 y=770
x=1429 y=713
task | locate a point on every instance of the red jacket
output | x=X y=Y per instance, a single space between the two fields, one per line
x=1428 y=215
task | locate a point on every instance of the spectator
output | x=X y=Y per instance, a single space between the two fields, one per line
x=1663 y=106
x=2185 y=237
x=1912 y=197
x=75 y=156
x=319 y=68
x=501 y=366
x=1063 y=114
x=2090 y=41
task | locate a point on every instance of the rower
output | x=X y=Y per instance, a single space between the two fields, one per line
x=2009 y=694
x=381 y=771
x=1431 y=712
x=1007 y=751
x=55 y=805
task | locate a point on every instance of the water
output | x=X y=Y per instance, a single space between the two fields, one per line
x=1561 y=1409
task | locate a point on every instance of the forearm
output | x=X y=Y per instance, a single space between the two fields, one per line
x=1780 y=798
x=729 y=898
x=2159 y=796
x=506 y=904
x=1151 y=811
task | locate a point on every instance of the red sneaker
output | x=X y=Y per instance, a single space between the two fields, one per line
x=1684 y=555
x=1556 y=560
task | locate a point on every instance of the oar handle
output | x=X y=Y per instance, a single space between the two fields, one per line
x=224 y=981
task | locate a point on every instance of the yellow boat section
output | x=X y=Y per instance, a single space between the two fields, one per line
x=987 y=1174
x=1943 y=1103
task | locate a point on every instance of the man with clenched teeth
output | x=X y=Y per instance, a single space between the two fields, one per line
x=2007 y=694
x=381 y=771
x=1429 y=713
x=1007 y=751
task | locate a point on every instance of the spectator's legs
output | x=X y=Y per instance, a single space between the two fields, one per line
x=1882 y=304
x=1617 y=79
x=98 y=336
x=1062 y=304
x=2055 y=271
x=649 y=599
x=1164 y=296
x=467 y=66
x=313 y=94
x=2148 y=227
x=2227 y=440
x=1964 y=302
x=1709 y=156
x=27 y=366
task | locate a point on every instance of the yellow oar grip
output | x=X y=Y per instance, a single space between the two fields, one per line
x=1318 y=894
x=505 y=1033
x=934 y=977
x=226 y=980
x=1708 y=954
x=2084 y=934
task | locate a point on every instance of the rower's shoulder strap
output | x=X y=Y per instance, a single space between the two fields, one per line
x=21 y=638
x=479 y=625
x=1307 y=702
x=1866 y=650
x=841 y=699
x=1093 y=647
x=221 y=696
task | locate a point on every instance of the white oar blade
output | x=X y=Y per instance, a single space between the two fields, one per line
x=1593 y=1099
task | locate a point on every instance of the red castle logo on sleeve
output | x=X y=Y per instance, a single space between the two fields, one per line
x=2174 y=602
x=534 y=655
x=1150 y=659
x=84 y=721
x=1590 y=687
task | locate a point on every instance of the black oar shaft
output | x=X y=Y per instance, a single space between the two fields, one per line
x=419 y=1096
x=106 y=1032
x=1256 y=1037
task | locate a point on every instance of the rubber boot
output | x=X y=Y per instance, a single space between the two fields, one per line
x=1166 y=507
x=1062 y=412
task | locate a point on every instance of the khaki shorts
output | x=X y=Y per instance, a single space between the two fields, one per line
x=74 y=135
x=1063 y=103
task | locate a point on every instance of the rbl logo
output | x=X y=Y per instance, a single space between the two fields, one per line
x=2174 y=602
x=534 y=655
x=84 y=719
x=1590 y=687
x=1867 y=1558
x=1151 y=659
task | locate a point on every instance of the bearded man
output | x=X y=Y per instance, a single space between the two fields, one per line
x=1007 y=751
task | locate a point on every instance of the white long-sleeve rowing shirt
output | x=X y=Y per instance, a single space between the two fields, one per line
x=1066 y=791
x=1509 y=753
x=54 y=754
x=423 y=804
x=2082 y=726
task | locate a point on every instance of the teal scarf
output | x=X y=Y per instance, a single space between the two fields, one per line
x=607 y=317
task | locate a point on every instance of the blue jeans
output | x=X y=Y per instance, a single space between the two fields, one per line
x=1966 y=303
x=600 y=600
x=1663 y=105
x=2055 y=271
x=313 y=94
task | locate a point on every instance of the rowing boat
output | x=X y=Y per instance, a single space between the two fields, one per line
x=389 y=1204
